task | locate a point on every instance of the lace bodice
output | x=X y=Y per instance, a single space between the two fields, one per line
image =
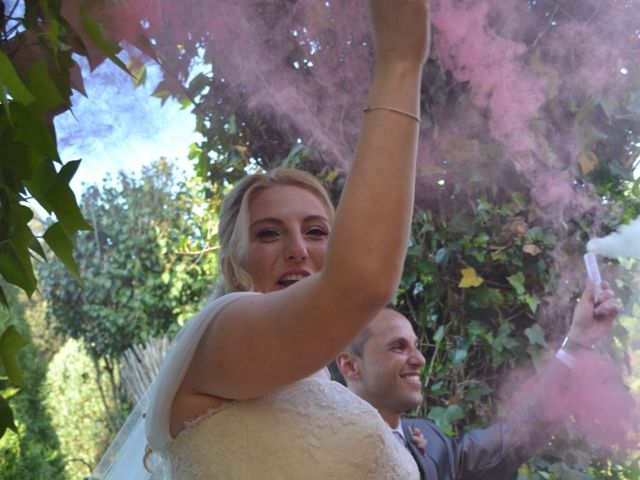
x=313 y=429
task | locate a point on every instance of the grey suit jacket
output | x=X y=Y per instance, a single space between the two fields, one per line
x=488 y=453
x=495 y=452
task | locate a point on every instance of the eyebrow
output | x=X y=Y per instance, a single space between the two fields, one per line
x=395 y=340
x=277 y=221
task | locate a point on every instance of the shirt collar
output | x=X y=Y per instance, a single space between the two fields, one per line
x=400 y=431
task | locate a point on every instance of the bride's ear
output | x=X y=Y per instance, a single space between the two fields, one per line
x=348 y=365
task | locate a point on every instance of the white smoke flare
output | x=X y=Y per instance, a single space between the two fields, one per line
x=623 y=243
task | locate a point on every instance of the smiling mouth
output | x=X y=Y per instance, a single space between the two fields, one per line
x=288 y=280
x=413 y=378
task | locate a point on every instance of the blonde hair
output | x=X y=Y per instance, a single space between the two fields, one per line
x=233 y=228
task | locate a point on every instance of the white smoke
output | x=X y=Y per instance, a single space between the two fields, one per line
x=623 y=243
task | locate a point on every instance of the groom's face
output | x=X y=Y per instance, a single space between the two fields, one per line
x=390 y=366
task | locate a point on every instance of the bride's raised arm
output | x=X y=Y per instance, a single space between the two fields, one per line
x=259 y=343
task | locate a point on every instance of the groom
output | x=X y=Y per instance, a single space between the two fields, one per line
x=383 y=366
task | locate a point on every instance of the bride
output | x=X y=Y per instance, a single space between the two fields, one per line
x=243 y=394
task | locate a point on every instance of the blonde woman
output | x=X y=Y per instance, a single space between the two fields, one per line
x=244 y=393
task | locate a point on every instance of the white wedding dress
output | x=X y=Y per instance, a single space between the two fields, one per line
x=312 y=429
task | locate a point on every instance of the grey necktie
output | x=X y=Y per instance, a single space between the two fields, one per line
x=400 y=438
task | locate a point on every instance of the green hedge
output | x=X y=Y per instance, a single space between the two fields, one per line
x=34 y=453
x=77 y=411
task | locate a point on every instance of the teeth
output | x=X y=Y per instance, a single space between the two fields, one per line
x=292 y=278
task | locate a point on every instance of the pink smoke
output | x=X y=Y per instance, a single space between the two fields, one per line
x=490 y=45
x=493 y=66
x=592 y=400
x=251 y=48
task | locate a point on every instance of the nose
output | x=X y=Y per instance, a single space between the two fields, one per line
x=295 y=248
x=417 y=358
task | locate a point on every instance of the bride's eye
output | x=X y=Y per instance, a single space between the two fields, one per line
x=267 y=234
x=317 y=232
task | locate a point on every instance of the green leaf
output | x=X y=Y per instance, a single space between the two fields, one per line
x=35 y=246
x=460 y=354
x=609 y=105
x=53 y=31
x=10 y=343
x=9 y=392
x=19 y=167
x=620 y=171
x=138 y=71
x=6 y=418
x=439 y=335
x=96 y=33
x=32 y=131
x=16 y=270
x=585 y=110
x=3 y=298
x=52 y=190
x=473 y=394
x=10 y=79
x=62 y=246
x=295 y=155
x=535 y=335
x=461 y=223
x=194 y=151
x=517 y=282
x=441 y=256
x=64 y=200
x=332 y=175
x=40 y=83
x=444 y=417
x=519 y=200
x=503 y=340
x=162 y=92
x=15 y=260
x=532 y=302
x=485 y=297
x=455 y=412
x=232 y=126
x=4 y=100
x=476 y=329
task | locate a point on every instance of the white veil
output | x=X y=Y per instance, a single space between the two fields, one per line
x=148 y=423
x=124 y=459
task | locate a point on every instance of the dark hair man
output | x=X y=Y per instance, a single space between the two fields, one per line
x=383 y=366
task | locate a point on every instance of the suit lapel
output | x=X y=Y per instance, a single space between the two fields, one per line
x=425 y=462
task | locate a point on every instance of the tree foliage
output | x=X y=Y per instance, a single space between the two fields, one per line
x=37 y=72
x=486 y=256
x=477 y=327
x=36 y=84
x=487 y=278
x=35 y=451
x=145 y=265
x=73 y=399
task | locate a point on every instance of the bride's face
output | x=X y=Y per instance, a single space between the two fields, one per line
x=288 y=236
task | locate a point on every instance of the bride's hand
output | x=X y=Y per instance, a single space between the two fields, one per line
x=401 y=30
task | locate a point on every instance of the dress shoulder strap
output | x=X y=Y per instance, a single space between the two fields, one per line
x=174 y=367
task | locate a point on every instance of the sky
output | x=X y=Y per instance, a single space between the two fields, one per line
x=121 y=127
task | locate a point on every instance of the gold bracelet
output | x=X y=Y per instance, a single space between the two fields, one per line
x=417 y=118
